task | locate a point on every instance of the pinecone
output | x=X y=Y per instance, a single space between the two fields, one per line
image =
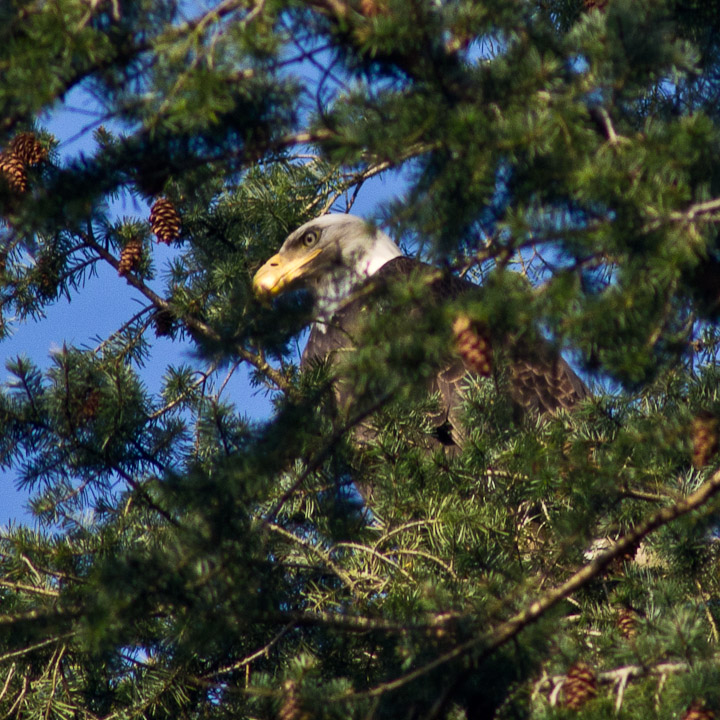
x=372 y=8
x=27 y=147
x=13 y=168
x=473 y=345
x=163 y=322
x=627 y=623
x=130 y=256
x=47 y=274
x=704 y=438
x=698 y=711
x=580 y=685
x=164 y=220
x=89 y=406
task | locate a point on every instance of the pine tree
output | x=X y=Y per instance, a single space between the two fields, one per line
x=191 y=563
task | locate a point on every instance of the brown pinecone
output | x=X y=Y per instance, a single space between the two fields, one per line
x=599 y=4
x=372 y=8
x=164 y=220
x=13 y=168
x=698 y=711
x=130 y=256
x=580 y=685
x=627 y=623
x=704 y=438
x=163 y=322
x=27 y=147
x=47 y=274
x=89 y=406
x=473 y=345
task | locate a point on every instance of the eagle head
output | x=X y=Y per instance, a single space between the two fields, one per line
x=329 y=256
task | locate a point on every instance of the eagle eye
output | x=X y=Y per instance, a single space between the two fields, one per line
x=309 y=238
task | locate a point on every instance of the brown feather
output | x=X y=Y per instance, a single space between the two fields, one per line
x=540 y=381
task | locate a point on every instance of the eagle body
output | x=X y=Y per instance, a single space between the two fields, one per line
x=347 y=265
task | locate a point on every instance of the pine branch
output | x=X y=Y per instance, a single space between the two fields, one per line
x=608 y=677
x=194 y=324
x=142 y=491
x=14 y=709
x=377 y=167
x=320 y=457
x=42 y=613
x=8 y=678
x=375 y=553
x=704 y=210
x=253 y=656
x=484 y=645
x=195 y=27
x=125 y=326
x=508 y=630
x=693 y=211
x=361 y=624
x=221 y=11
x=29 y=588
x=36 y=646
x=636 y=494
x=551 y=685
x=174 y=403
x=401 y=528
x=428 y=556
x=706 y=605
x=324 y=556
x=143 y=707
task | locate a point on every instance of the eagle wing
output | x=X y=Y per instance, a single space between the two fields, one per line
x=540 y=380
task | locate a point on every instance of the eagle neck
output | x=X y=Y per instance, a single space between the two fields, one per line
x=341 y=283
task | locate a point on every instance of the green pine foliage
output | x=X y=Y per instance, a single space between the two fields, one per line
x=336 y=562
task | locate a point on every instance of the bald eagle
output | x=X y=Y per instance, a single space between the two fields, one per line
x=337 y=257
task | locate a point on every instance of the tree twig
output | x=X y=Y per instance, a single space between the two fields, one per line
x=253 y=656
x=29 y=588
x=325 y=557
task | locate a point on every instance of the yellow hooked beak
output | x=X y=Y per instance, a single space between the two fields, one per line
x=279 y=272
